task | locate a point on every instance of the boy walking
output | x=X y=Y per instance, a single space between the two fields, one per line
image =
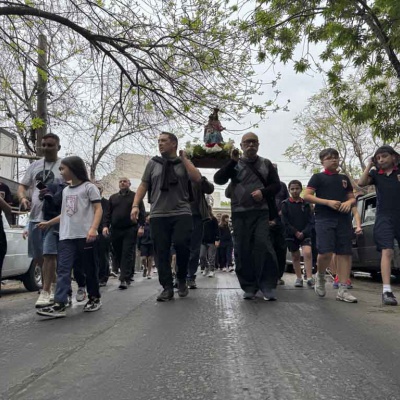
x=386 y=178
x=297 y=220
x=332 y=194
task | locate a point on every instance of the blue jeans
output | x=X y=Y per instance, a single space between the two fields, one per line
x=83 y=257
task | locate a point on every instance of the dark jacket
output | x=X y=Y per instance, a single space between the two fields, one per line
x=104 y=206
x=225 y=236
x=244 y=181
x=297 y=217
x=210 y=231
x=119 y=211
x=52 y=200
x=199 y=204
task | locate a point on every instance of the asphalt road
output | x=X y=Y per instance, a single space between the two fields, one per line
x=210 y=345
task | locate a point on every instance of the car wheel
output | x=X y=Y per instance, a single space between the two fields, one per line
x=32 y=280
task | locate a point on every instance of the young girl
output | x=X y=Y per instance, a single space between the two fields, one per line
x=80 y=216
x=226 y=244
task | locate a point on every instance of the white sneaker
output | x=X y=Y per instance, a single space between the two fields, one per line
x=52 y=292
x=80 y=294
x=43 y=300
x=224 y=269
x=231 y=269
x=320 y=285
x=211 y=274
x=344 y=295
x=205 y=272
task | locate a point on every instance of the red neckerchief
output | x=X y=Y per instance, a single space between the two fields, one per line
x=298 y=201
x=327 y=172
x=382 y=172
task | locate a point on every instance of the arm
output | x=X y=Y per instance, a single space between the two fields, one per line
x=227 y=172
x=273 y=182
x=139 y=196
x=47 y=224
x=357 y=218
x=309 y=196
x=365 y=179
x=98 y=213
x=21 y=193
x=206 y=186
x=193 y=172
x=5 y=206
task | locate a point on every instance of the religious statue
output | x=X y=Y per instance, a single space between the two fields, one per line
x=213 y=129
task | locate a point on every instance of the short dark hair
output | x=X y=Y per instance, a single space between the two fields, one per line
x=295 y=182
x=52 y=136
x=328 y=152
x=171 y=136
x=77 y=166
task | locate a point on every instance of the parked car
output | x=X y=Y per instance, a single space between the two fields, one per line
x=17 y=264
x=366 y=257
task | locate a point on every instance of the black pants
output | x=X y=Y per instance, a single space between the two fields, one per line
x=195 y=244
x=277 y=234
x=256 y=266
x=124 y=247
x=164 y=232
x=3 y=246
x=104 y=258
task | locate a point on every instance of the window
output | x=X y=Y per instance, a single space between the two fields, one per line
x=370 y=210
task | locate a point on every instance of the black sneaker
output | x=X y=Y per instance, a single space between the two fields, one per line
x=269 y=294
x=183 y=290
x=123 y=285
x=388 y=299
x=166 y=295
x=248 y=295
x=144 y=273
x=55 y=311
x=191 y=284
x=92 y=305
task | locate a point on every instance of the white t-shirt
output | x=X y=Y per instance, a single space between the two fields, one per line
x=77 y=210
x=46 y=172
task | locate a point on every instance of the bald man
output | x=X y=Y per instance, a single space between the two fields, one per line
x=253 y=180
x=123 y=230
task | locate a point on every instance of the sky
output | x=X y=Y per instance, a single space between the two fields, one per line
x=277 y=133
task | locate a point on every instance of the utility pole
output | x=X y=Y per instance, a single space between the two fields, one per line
x=41 y=110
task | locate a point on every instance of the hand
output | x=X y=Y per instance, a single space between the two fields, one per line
x=105 y=231
x=299 y=235
x=235 y=155
x=272 y=223
x=183 y=154
x=257 y=195
x=25 y=204
x=91 y=236
x=345 y=207
x=358 y=230
x=134 y=214
x=217 y=243
x=43 y=225
x=335 y=204
x=140 y=232
x=25 y=234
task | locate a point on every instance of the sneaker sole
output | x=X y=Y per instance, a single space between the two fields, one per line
x=338 y=298
x=53 y=316
x=44 y=305
x=183 y=294
x=270 y=298
x=298 y=285
x=164 y=300
x=97 y=309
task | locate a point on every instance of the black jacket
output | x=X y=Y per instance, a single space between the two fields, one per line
x=210 y=231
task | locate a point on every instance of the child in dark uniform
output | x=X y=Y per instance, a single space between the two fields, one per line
x=333 y=196
x=386 y=178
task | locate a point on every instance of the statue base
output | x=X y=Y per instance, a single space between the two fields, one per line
x=209 y=162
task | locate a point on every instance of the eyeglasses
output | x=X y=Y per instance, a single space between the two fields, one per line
x=248 y=142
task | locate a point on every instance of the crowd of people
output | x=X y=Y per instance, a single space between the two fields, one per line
x=72 y=228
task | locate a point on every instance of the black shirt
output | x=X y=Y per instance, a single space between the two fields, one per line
x=225 y=235
x=330 y=186
x=119 y=211
x=296 y=217
x=387 y=191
